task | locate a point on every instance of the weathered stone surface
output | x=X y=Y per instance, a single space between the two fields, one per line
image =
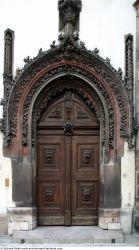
x=112 y=186
x=114 y=226
x=126 y=220
x=71 y=234
x=3 y=224
x=109 y=219
x=22 y=175
x=23 y=218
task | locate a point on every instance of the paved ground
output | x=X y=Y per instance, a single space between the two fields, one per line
x=60 y=237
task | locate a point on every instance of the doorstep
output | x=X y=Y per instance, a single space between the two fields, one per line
x=68 y=235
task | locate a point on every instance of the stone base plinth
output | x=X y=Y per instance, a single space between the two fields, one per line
x=109 y=219
x=21 y=219
x=126 y=220
x=115 y=219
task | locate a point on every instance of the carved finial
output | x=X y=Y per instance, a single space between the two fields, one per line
x=27 y=59
x=96 y=51
x=9 y=52
x=69 y=13
x=53 y=45
x=40 y=51
x=18 y=72
x=129 y=65
x=107 y=60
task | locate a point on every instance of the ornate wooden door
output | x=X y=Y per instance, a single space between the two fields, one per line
x=68 y=164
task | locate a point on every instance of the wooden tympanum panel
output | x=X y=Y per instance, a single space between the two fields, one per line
x=68 y=164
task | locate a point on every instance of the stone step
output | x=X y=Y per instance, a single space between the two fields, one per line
x=67 y=235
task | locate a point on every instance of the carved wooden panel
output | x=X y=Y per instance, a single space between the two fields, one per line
x=50 y=155
x=87 y=156
x=82 y=114
x=55 y=113
x=86 y=194
x=51 y=195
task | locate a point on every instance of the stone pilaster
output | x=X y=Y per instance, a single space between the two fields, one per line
x=136 y=217
x=110 y=202
x=8 y=52
x=7 y=81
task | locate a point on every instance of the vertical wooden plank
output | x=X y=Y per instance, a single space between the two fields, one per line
x=68 y=181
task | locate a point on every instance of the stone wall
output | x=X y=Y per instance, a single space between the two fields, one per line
x=122 y=218
x=127 y=188
x=5 y=188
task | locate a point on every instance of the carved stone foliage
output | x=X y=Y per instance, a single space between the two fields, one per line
x=69 y=11
x=8 y=53
x=71 y=50
x=129 y=82
x=95 y=105
x=76 y=4
x=129 y=68
x=70 y=70
x=97 y=109
x=7 y=81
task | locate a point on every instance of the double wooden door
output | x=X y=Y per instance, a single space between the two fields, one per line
x=68 y=164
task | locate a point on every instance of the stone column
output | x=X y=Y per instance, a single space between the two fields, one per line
x=136 y=5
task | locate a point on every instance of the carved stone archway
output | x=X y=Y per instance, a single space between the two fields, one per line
x=104 y=91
